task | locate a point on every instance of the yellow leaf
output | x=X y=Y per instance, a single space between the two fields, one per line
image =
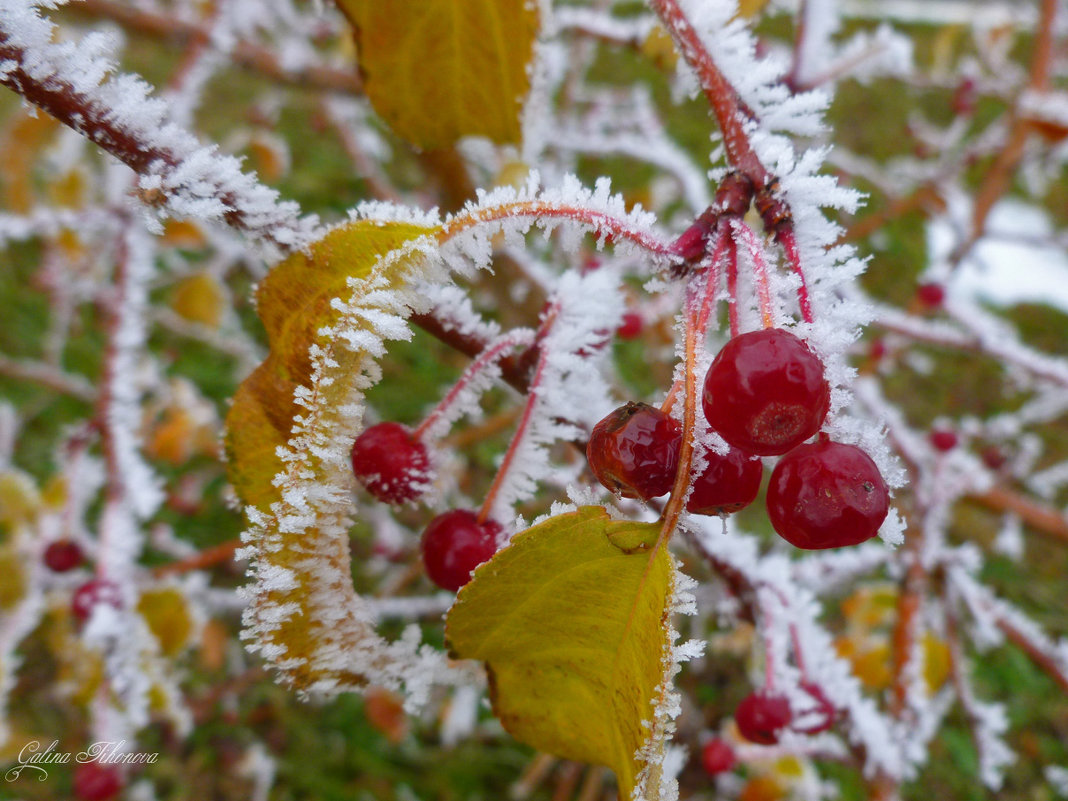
x=750 y=8
x=659 y=48
x=575 y=635
x=294 y=302
x=200 y=298
x=167 y=615
x=303 y=611
x=439 y=70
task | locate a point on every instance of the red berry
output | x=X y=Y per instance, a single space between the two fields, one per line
x=63 y=555
x=826 y=495
x=96 y=782
x=635 y=451
x=390 y=463
x=94 y=592
x=631 y=327
x=728 y=483
x=761 y=716
x=717 y=757
x=931 y=295
x=878 y=349
x=454 y=544
x=766 y=392
x=943 y=439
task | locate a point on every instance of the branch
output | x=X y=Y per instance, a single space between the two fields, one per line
x=177 y=172
x=245 y=54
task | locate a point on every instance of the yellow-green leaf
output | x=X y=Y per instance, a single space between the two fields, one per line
x=439 y=70
x=294 y=302
x=572 y=622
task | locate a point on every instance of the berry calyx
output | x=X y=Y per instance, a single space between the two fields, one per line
x=766 y=392
x=729 y=482
x=92 y=593
x=634 y=451
x=761 y=716
x=390 y=463
x=96 y=782
x=717 y=757
x=63 y=555
x=931 y=295
x=942 y=439
x=826 y=495
x=454 y=544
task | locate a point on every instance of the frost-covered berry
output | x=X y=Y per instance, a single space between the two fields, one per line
x=825 y=495
x=634 y=451
x=92 y=593
x=63 y=555
x=96 y=782
x=390 y=463
x=717 y=757
x=454 y=544
x=729 y=482
x=761 y=716
x=766 y=392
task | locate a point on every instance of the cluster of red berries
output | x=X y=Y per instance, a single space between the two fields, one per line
x=393 y=465
x=765 y=394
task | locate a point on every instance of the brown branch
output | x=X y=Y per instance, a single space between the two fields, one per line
x=998 y=178
x=1042 y=518
x=209 y=557
x=1037 y=655
x=48 y=376
x=726 y=105
x=245 y=54
x=248 y=206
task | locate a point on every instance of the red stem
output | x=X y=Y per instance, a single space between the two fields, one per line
x=788 y=240
x=732 y=286
x=493 y=352
x=760 y=270
x=521 y=430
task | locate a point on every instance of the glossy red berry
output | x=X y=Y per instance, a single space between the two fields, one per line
x=761 y=716
x=635 y=451
x=766 y=392
x=717 y=757
x=94 y=592
x=63 y=555
x=728 y=483
x=96 y=782
x=943 y=439
x=454 y=544
x=631 y=326
x=390 y=463
x=826 y=495
x=931 y=295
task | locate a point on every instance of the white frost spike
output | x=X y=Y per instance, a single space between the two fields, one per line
x=657 y=780
x=568 y=392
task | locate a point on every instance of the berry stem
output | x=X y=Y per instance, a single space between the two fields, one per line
x=732 y=287
x=524 y=424
x=760 y=270
x=788 y=239
x=493 y=352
